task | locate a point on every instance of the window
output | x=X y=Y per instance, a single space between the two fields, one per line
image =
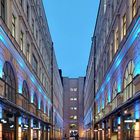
x=75 y=99
x=21 y=3
x=73 y=108
x=28 y=51
x=71 y=89
x=21 y=40
x=25 y=93
x=3 y=9
x=42 y=106
x=105 y=5
x=129 y=87
x=115 y=91
x=124 y=25
x=28 y=16
x=13 y=26
x=35 y=102
x=134 y=7
x=75 y=89
x=71 y=99
x=73 y=126
x=116 y=40
x=33 y=25
x=10 y=82
x=34 y=63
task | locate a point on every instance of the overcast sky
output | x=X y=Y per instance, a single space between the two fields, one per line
x=71 y=24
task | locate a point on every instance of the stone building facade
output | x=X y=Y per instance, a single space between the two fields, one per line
x=73 y=106
x=116 y=42
x=26 y=71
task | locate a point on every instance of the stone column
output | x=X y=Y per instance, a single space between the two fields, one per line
x=31 y=130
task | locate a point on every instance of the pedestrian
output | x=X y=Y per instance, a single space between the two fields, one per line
x=77 y=137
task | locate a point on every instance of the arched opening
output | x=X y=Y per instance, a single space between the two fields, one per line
x=129 y=87
x=10 y=82
x=25 y=93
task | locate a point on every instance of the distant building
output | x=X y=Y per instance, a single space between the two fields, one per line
x=73 y=106
x=26 y=73
x=115 y=54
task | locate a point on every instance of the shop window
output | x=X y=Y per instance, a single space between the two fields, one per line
x=3 y=9
x=25 y=93
x=128 y=81
x=10 y=82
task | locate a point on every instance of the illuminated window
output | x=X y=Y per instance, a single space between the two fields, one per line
x=129 y=87
x=71 y=89
x=71 y=99
x=13 y=26
x=116 y=40
x=134 y=7
x=75 y=117
x=21 y=40
x=73 y=126
x=75 y=99
x=75 y=108
x=3 y=9
x=124 y=25
x=75 y=89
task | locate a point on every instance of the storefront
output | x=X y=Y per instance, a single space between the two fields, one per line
x=123 y=124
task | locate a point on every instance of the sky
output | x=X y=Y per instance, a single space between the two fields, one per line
x=71 y=24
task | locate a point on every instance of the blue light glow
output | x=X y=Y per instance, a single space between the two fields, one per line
x=7 y=42
x=119 y=82
x=32 y=96
x=20 y=83
x=132 y=36
x=119 y=120
x=1 y=112
x=32 y=124
x=39 y=103
x=20 y=120
x=137 y=110
x=1 y=68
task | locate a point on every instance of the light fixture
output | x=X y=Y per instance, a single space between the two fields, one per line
x=129 y=121
x=11 y=126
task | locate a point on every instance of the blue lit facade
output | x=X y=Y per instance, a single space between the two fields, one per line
x=116 y=42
